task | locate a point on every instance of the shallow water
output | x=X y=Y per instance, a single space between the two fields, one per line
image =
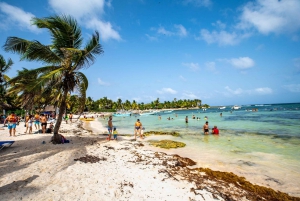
x=263 y=145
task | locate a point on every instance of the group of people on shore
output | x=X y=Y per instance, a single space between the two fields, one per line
x=39 y=121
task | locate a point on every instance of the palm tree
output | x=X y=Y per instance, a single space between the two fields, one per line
x=4 y=67
x=63 y=59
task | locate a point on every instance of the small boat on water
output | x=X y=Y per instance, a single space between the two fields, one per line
x=222 y=108
x=122 y=114
x=236 y=107
x=166 y=111
x=151 y=112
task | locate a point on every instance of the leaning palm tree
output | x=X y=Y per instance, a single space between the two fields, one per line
x=63 y=59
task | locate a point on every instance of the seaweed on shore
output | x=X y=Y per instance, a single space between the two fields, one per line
x=173 y=133
x=166 y=144
x=255 y=192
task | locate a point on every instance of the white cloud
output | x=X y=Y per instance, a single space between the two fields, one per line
x=167 y=91
x=263 y=90
x=162 y=30
x=189 y=95
x=105 y=29
x=198 y=3
x=235 y=92
x=78 y=8
x=293 y=88
x=210 y=66
x=271 y=16
x=182 y=78
x=89 y=13
x=181 y=30
x=18 y=17
x=151 y=38
x=192 y=66
x=101 y=82
x=241 y=62
x=219 y=25
x=222 y=37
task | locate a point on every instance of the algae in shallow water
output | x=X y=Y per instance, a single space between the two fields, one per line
x=173 y=133
x=167 y=144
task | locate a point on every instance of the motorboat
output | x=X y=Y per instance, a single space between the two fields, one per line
x=236 y=107
x=165 y=111
x=222 y=108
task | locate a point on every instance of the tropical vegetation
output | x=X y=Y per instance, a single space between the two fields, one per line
x=59 y=81
x=62 y=61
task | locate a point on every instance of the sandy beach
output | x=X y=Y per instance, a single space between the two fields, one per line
x=91 y=168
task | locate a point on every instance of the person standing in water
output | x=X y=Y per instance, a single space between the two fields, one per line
x=186 y=119
x=110 y=127
x=205 y=128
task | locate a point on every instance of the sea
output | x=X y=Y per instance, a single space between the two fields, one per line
x=260 y=142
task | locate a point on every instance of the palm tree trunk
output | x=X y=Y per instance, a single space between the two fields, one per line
x=56 y=136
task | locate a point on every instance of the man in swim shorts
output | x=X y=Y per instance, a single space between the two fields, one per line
x=43 y=120
x=110 y=127
x=12 y=124
x=205 y=128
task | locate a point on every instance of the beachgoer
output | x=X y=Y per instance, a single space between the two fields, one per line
x=12 y=124
x=215 y=130
x=26 y=123
x=186 y=119
x=66 y=118
x=205 y=128
x=142 y=132
x=37 y=121
x=50 y=129
x=193 y=116
x=43 y=120
x=29 y=123
x=137 y=128
x=221 y=114
x=110 y=127
x=71 y=117
x=115 y=133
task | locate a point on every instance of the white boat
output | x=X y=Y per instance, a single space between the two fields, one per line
x=222 y=108
x=166 y=111
x=236 y=107
x=151 y=112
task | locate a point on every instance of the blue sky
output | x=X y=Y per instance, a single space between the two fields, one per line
x=221 y=52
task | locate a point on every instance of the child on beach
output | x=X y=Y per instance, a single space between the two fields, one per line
x=115 y=132
x=142 y=132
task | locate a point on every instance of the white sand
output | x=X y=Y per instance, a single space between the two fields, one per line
x=31 y=170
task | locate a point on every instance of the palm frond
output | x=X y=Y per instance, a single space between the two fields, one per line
x=90 y=51
x=16 y=45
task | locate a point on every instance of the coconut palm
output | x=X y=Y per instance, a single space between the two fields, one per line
x=62 y=60
x=4 y=67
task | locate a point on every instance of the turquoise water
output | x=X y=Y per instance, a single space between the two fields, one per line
x=262 y=145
